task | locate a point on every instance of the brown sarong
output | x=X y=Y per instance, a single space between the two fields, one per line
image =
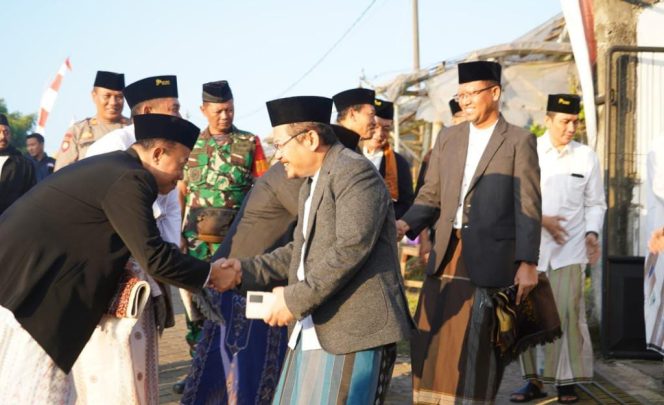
x=453 y=357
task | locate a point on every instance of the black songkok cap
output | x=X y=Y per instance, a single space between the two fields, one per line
x=564 y=103
x=169 y=127
x=3 y=120
x=299 y=109
x=479 y=70
x=353 y=97
x=217 y=92
x=454 y=106
x=151 y=88
x=384 y=109
x=110 y=80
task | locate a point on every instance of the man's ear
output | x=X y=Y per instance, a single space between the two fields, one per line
x=313 y=140
x=547 y=121
x=157 y=153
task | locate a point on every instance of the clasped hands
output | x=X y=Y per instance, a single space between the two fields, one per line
x=226 y=274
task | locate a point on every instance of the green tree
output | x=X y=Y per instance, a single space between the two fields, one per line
x=20 y=125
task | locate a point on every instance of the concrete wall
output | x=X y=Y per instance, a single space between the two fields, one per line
x=615 y=23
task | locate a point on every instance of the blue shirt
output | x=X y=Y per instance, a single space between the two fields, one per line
x=43 y=167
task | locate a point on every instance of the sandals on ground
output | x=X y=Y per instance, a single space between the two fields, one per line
x=567 y=394
x=527 y=393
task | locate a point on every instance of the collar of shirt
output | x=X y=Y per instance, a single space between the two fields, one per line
x=374 y=157
x=546 y=146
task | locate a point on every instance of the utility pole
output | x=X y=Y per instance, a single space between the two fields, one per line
x=416 y=38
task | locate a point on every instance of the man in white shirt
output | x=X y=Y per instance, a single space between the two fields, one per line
x=653 y=283
x=573 y=207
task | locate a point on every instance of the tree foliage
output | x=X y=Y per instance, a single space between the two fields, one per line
x=21 y=125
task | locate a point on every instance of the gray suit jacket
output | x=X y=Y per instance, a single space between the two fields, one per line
x=502 y=210
x=353 y=287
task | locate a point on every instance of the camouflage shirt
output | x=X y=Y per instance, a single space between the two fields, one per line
x=80 y=136
x=218 y=175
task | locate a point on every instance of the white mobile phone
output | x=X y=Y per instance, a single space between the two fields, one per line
x=258 y=304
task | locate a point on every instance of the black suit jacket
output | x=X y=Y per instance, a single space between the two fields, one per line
x=65 y=244
x=266 y=218
x=502 y=210
x=405 y=183
x=18 y=175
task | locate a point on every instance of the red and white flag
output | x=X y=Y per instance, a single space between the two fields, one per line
x=48 y=99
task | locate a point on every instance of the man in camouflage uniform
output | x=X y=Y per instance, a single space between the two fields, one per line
x=221 y=170
x=107 y=96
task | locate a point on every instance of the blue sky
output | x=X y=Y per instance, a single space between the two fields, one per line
x=260 y=47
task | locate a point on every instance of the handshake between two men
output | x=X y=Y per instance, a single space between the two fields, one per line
x=226 y=274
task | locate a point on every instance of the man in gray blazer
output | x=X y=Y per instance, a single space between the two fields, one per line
x=482 y=191
x=344 y=286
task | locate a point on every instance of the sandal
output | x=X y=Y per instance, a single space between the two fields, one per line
x=567 y=394
x=527 y=393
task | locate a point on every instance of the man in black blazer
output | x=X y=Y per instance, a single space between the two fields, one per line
x=356 y=115
x=56 y=285
x=483 y=181
x=17 y=173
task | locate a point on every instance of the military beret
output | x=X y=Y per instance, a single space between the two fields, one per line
x=169 y=127
x=454 y=106
x=299 y=109
x=110 y=80
x=564 y=103
x=151 y=88
x=3 y=120
x=384 y=109
x=479 y=70
x=217 y=92
x=353 y=97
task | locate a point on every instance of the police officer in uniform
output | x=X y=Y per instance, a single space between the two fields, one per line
x=107 y=96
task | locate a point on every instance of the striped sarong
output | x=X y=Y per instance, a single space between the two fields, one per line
x=317 y=377
x=568 y=360
x=454 y=359
x=653 y=310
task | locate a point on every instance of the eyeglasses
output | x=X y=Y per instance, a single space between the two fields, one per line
x=462 y=96
x=279 y=146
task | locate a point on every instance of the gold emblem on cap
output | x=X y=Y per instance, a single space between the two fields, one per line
x=563 y=101
x=160 y=82
x=378 y=103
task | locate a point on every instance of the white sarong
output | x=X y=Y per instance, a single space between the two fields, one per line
x=27 y=374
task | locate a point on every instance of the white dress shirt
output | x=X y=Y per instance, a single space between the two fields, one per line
x=477 y=141
x=572 y=188
x=374 y=157
x=3 y=160
x=166 y=208
x=306 y=325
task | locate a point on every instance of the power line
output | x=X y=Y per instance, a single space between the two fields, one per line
x=319 y=61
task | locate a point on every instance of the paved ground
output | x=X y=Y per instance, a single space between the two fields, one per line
x=633 y=382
